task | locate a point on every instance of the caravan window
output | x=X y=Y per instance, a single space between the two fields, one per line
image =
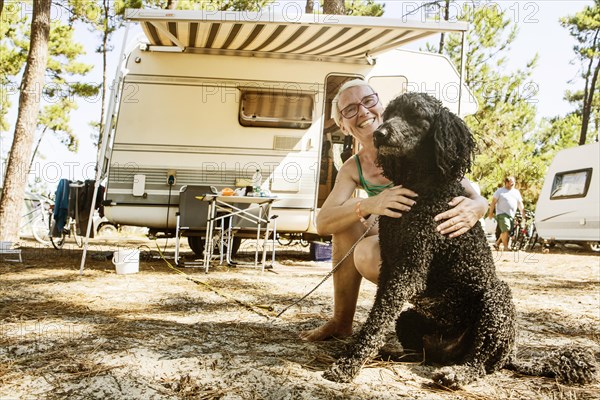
x=571 y=184
x=279 y=109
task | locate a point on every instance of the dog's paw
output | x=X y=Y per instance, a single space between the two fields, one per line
x=392 y=350
x=343 y=371
x=456 y=376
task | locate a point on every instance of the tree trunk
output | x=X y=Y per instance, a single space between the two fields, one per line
x=334 y=7
x=105 y=35
x=29 y=104
x=310 y=6
x=588 y=101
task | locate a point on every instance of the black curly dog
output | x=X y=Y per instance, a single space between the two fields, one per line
x=463 y=317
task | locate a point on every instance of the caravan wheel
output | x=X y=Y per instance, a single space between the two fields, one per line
x=196 y=244
x=107 y=229
x=593 y=246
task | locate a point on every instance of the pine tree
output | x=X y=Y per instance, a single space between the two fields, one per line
x=347 y=7
x=60 y=90
x=29 y=103
x=12 y=56
x=584 y=26
x=364 y=8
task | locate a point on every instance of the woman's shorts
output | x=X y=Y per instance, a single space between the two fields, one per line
x=505 y=222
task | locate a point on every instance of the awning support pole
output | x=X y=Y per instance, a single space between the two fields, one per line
x=463 y=66
x=105 y=138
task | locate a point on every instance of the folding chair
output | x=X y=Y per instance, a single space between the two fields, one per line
x=6 y=249
x=249 y=228
x=192 y=214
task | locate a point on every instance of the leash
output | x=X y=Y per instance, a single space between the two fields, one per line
x=256 y=308
x=335 y=268
x=251 y=307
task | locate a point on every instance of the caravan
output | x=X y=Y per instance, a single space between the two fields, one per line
x=209 y=98
x=568 y=209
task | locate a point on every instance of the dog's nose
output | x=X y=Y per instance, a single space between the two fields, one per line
x=379 y=135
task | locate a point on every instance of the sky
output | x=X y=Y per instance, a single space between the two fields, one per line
x=539 y=31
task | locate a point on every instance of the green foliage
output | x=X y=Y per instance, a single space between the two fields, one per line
x=553 y=135
x=364 y=8
x=210 y=5
x=350 y=7
x=13 y=53
x=103 y=17
x=576 y=97
x=584 y=26
x=121 y=5
x=60 y=91
x=56 y=117
x=556 y=134
x=64 y=53
x=60 y=88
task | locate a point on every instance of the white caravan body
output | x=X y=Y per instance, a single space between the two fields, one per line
x=568 y=209
x=212 y=97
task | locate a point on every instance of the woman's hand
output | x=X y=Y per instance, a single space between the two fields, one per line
x=391 y=202
x=463 y=215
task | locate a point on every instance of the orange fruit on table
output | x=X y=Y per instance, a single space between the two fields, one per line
x=227 y=192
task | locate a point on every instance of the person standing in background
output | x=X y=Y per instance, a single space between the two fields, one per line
x=505 y=202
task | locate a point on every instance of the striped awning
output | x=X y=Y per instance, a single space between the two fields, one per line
x=308 y=36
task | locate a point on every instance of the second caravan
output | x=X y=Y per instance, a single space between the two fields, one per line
x=568 y=209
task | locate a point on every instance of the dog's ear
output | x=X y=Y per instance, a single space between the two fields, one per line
x=454 y=144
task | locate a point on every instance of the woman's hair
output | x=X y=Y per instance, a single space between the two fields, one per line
x=335 y=111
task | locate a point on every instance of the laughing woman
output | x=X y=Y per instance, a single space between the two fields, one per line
x=358 y=112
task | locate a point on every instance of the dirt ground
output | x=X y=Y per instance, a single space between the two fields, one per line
x=163 y=334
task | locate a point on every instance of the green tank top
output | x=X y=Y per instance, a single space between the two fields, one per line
x=371 y=190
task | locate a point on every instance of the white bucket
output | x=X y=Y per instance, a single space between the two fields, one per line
x=127 y=261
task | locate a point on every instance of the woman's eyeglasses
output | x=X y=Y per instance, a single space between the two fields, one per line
x=351 y=110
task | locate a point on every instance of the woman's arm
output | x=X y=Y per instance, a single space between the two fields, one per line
x=464 y=214
x=339 y=211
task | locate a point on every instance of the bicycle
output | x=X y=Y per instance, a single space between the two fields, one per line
x=290 y=239
x=70 y=228
x=523 y=232
x=37 y=219
x=534 y=238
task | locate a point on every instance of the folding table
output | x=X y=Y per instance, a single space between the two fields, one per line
x=229 y=207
